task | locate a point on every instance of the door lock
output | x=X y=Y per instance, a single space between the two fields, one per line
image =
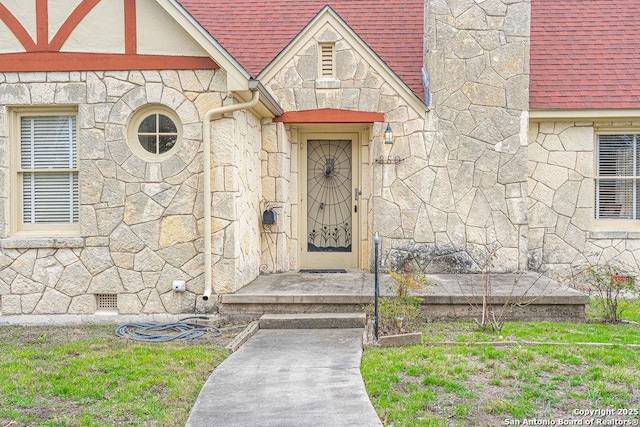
x=357 y=193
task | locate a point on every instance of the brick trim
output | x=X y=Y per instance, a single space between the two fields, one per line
x=328 y=115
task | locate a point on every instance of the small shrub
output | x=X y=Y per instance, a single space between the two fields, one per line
x=494 y=315
x=408 y=281
x=401 y=312
x=398 y=314
x=611 y=287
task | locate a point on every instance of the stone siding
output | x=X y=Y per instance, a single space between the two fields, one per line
x=278 y=170
x=458 y=200
x=474 y=213
x=562 y=236
x=236 y=195
x=357 y=86
x=140 y=222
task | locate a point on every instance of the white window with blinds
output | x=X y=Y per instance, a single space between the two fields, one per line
x=47 y=175
x=617 y=189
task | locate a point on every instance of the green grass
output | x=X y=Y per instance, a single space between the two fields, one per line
x=465 y=332
x=629 y=309
x=590 y=332
x=485 y=385
x=88 y=377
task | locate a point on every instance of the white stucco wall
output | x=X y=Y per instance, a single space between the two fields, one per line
x=159 y=34
x=59 y=11
x=25 y=12
x=102 y=30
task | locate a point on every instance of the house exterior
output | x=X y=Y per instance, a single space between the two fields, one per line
x=584 y=118
x=195 y=144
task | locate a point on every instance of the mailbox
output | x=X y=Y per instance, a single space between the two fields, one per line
x=269 y=217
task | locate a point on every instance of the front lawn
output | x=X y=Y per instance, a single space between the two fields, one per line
x=85 y=376
x=470 y=384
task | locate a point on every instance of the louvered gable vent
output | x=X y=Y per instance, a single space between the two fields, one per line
x=327 y=60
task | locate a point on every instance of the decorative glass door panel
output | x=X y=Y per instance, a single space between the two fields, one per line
x=329 y=203
x=329 y=196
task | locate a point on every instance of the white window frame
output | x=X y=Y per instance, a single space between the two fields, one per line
x=134 y=123
x=18 y=224
x=602 y=221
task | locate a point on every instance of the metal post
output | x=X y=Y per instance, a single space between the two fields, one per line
x=376 y=243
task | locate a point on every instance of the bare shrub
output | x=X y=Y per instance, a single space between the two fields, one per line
x=611 y=286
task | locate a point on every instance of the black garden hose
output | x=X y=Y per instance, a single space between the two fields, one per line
x=164 y=332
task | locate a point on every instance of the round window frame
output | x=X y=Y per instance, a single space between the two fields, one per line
x=134 y=124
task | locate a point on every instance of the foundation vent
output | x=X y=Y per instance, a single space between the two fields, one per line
x=107 y=302
x=327 y=55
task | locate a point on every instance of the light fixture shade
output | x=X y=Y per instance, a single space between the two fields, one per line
x=388 y=135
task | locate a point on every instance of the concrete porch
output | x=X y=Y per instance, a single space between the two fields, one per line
x=449 y=296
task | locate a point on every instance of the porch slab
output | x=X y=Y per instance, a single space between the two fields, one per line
x=448 y=296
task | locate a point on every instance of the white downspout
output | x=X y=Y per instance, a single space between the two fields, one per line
x=206 y=139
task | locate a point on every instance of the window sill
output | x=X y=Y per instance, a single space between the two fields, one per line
x=33 y=242
x=614 y=234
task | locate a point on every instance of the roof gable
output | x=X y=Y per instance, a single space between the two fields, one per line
x=256 y=32
x=585 y=54
x=327 y=18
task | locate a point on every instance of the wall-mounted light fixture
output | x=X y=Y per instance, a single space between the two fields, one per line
x=388 y=135
x=388 y=140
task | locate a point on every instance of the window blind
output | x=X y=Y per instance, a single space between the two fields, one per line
x=48 y=163
x=617 y=174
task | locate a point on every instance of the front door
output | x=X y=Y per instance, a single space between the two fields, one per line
x=329 y=201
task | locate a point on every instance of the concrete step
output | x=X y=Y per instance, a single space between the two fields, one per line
x=313 y=321
x=256 y=309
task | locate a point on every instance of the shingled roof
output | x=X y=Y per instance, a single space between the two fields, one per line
x=255 y=32
x=585 y=54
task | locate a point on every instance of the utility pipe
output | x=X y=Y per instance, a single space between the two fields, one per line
x=206 y=139
x=376 y=263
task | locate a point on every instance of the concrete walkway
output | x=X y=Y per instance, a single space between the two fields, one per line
x=308 y=377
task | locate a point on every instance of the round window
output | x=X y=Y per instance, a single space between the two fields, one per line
x=154 y=133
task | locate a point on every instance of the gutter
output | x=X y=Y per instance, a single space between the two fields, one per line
x=206 y=139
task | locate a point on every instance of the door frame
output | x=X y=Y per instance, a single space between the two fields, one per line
x=330 y=132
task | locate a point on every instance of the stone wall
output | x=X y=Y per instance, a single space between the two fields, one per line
x=458 y=200
x=236 y=195
x=562 y=236
x=140 y=222
x=277 y=170
x=475 y=212
x=358 y=86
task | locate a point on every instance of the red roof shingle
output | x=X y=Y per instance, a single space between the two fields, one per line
x=255 y=32
x=585 y=54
